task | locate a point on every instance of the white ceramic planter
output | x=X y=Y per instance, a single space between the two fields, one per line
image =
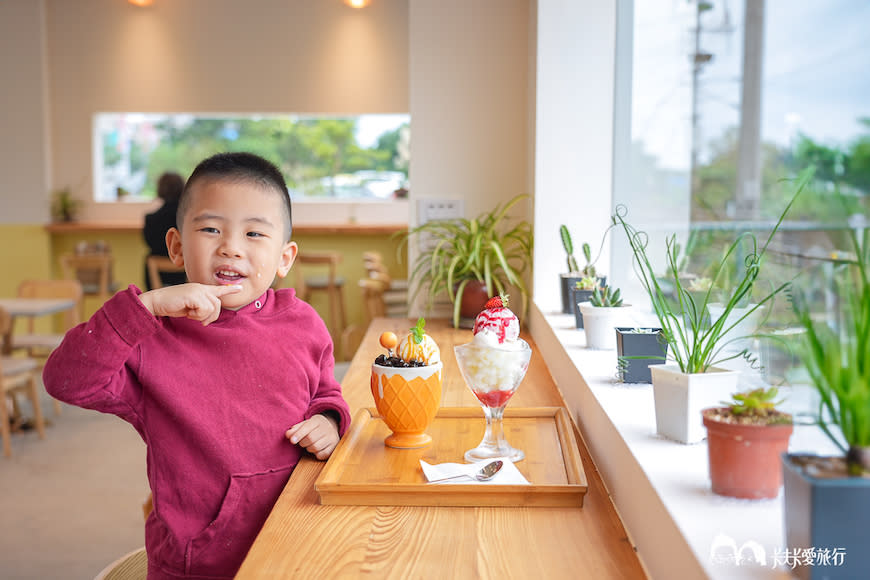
x=679 y=398
x=600 y=322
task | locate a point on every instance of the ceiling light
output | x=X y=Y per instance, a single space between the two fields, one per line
x=141 y=2
x=357 y=3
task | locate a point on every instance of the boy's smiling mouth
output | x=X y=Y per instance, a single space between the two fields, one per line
x=228 y=276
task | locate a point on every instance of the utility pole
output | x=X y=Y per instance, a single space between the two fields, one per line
x=699 y=58
x=748 y=194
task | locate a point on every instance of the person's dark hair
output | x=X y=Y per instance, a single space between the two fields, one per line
x=238 y=167
x=169 y=186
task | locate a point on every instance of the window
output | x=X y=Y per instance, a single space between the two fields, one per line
x=365 y=156
x=721 y=106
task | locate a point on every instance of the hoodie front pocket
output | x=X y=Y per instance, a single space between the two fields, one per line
x=219 y=549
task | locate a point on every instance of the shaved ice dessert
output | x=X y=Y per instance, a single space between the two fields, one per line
x=495 y=361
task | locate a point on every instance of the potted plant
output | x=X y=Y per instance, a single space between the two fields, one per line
x=478 y=257
x=745 y=439
x=636 y=350
x=573 y=275
x=827 y=499
x=569 y=280
x=601 y=315
x=698 y=344
x=64 y=207
x=582 y=292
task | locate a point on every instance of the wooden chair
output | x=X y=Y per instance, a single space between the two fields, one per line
x=130 y=566
x=93 y=271
x=395 y=295
x=373 y=307
x=17 y=374
x=158 y=264
x=329 y=283
x=40 y=345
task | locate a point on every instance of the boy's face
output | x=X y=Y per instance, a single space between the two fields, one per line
x=234 y=232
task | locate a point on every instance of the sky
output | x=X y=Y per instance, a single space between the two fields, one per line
x=370 y=127
x=816 y=73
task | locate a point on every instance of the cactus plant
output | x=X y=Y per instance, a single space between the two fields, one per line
x=569 y=247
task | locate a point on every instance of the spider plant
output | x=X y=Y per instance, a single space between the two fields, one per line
x=487 y=249
x=838 y=360
x=697 y=345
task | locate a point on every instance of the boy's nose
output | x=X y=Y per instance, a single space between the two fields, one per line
x=228 y=249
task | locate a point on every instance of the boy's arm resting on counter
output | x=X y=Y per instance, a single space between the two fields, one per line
x=89 y=369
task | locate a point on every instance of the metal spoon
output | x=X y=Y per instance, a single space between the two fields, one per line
x=485 y=473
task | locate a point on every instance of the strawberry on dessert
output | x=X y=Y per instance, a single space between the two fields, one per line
x=498 y=320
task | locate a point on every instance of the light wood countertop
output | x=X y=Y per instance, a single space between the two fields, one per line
x=304 y=539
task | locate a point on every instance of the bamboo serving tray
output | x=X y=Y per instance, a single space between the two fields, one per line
x=364 y=471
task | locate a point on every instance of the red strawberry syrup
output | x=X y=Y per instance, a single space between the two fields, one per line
x=495 y=398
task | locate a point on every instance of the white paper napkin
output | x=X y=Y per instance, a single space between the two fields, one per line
x=507 y=475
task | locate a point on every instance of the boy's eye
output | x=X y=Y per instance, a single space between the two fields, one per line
x=209 y=230
x=255 y=235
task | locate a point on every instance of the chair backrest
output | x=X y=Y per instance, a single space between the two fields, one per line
x=5 y=322
x=93 y=271
x=306 y=261
x=158 y=264
x=71 y=289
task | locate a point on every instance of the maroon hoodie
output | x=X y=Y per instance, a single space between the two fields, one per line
x=212 y=404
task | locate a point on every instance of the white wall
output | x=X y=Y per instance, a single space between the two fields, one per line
x=24 y=137
x=574 y=139
x=470 y=85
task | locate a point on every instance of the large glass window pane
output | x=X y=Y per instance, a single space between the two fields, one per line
x=364 y=156
x=720 y=101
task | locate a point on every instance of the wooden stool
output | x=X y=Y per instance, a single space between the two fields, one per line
x=157 y=265
x=331 y=284
x=94 y=271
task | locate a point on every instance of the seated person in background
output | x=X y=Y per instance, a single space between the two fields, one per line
x=228 y=381
x=169 y=187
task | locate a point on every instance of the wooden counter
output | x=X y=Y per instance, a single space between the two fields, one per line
x=303 y=539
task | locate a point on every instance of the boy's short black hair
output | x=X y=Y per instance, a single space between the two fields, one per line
x=238 y=167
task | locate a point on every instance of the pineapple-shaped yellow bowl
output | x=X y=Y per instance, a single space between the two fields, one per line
x=407 y=399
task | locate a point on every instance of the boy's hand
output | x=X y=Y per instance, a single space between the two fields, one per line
x=197 y=301
x=318 y=435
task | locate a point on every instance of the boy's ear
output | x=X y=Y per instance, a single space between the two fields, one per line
x=173 y=244
x=288 y=256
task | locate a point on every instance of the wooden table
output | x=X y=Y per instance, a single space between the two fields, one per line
x=304 y=539
x=31 y=307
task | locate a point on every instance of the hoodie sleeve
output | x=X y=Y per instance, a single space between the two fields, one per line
x=96 y=364
x=327 y=396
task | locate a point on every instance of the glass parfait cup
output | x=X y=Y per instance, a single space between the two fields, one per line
x=493 y=374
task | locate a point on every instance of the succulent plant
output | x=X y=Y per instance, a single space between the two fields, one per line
x=606 y=296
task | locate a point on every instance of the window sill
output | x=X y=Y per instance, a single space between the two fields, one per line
x=660 y=488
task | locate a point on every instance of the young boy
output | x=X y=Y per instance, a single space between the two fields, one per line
x=226 y=380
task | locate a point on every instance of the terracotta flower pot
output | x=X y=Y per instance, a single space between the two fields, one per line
x=744 y=459
x=407 y=400
x=474 y=299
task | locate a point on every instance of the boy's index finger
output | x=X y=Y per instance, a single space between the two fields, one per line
x=225 y=289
